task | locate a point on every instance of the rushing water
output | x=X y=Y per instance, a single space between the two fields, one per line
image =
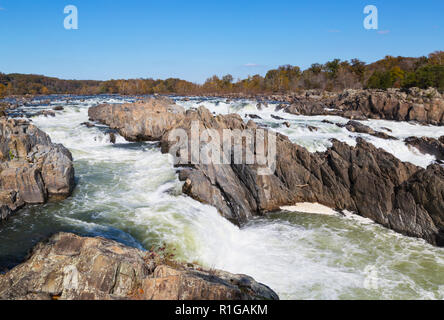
x=130 y=192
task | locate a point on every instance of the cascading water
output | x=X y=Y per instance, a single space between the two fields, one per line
x=130 y=192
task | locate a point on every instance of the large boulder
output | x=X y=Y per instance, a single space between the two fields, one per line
x=69 y=267
x=362 y=179
x=140 y=121
x=32 y=168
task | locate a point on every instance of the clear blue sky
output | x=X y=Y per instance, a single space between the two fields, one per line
x=194 y=39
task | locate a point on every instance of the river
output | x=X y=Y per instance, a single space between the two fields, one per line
x=130 y=192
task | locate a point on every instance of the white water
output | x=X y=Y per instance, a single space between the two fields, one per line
x=130 y=192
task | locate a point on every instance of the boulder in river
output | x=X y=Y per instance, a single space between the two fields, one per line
x=141 y=121
x=277 y=117
x=69 y=267
x=254 y=116
x=32 y=168
x=88 y=124
x=430 y=146
x=355 y=126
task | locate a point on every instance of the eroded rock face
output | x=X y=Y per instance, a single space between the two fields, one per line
x=32 y=168
x=362 y=179
x=422 y=106
x=68 y=267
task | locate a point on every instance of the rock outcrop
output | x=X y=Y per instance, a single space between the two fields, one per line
x=68 y=267
x=355 y=126
x=362 y=179
x=422 y=106
x=434 y=147
x=32 y=168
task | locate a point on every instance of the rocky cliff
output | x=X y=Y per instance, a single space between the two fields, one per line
x=362 y=179
x=33 y=170
x=68 y=267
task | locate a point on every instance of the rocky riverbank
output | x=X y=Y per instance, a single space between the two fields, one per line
x=362 y=179
x=33 y=170
x=418 y=105
x=68 y=267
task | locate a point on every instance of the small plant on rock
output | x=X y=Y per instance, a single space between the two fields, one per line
x=162 y=255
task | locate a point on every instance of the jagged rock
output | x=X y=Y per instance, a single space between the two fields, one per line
x=280 y=107
x=58 y=108
x=428 y=146
x=87 y=124
x=362 y=179
x=254 y=116
x=277 y=117
x=354 y=126
x=306 y=106
x=32 y=168
x=46 y=113
x=354 y=115
x=112 y=137
x=422 y=106
x=312 y=129
x=68 y=267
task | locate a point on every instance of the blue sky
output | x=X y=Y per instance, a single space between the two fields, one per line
x=195 y=39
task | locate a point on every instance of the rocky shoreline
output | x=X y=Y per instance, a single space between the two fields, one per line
x=69 y=267
x=361 y=179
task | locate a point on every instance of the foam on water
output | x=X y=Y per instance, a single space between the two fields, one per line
x=130 y=192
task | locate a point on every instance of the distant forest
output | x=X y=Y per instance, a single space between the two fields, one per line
x=335 y=75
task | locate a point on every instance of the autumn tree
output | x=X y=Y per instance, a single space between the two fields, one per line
x=436 y=58
x=2 y=90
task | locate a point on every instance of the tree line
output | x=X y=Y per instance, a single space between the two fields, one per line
x=335 y=75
